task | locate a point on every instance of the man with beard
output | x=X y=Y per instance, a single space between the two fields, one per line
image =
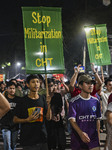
x=84 y=114
x=9 y=129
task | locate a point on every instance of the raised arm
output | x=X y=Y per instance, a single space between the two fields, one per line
x=4 y=106
x=66 y=88
x=74 y=78
x=97 y=77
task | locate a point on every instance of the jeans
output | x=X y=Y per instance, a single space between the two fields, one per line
x=10 y=139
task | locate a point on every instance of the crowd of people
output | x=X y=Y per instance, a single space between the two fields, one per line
x=43 y=110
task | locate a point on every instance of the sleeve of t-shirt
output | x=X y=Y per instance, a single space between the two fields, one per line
x=94 y=91
x=19 y=110
x=110 y=99
x=98 y=110
x=72 y=111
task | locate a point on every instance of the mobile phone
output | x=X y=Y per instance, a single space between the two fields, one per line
x=37 y=110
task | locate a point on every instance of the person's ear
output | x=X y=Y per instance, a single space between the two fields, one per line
x=27 y=85
x=80 y=86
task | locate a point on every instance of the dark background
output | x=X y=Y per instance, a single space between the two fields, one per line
x=75 y=14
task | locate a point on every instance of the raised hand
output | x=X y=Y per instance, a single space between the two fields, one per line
x=93 y=67
x=76 y=70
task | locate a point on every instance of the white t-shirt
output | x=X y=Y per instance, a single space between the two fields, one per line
x=104 y=95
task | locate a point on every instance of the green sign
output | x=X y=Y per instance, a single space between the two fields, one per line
x=43 y=40
x=97 y=42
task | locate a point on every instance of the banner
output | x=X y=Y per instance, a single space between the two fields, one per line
x=58 y=76
x=2 y=77
x=43 y=40
x=97 y=42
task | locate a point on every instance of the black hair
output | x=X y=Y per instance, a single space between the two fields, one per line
x=40 y=77
x=56 y=103
x=110 y=76
x=10 y=84
x=57 y=81
x=108 y=80
x=1 y=83
x=18 y=84
x=49 y=80
x=81 y=82
x=13 y=80
x=31 y=76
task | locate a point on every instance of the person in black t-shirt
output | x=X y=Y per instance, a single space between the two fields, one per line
x=55 y=127
x=31 y=114
x=9 y=129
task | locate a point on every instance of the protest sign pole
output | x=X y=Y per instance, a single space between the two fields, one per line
x=102 y=76
x=84 y=56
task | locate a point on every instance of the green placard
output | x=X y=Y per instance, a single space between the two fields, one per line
x=97 y=42
x=43 y=40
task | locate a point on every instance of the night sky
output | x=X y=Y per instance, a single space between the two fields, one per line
x=75 y=14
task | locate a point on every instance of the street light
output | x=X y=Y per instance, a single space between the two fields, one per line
x=18 y=64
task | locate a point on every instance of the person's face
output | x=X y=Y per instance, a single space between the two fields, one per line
x=55 y=87
x=51 y=87
x=87 y=87
x=109 y=86
x=23 y=84
x=19 y=88
x=59 y=86
x=2 y=86
x=34 y=85
x=11 y=90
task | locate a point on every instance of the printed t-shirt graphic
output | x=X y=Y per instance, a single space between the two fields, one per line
x=31 y=111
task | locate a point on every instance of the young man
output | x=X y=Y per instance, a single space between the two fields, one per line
x=108 y=115
x=84 y=111
x=31 y=114
x=105 y=95
x=9 y=129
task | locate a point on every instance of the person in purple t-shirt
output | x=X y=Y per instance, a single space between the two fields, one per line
x=84 y=114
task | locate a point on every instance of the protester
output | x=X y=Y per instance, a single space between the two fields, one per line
x=4 y=106
x=25 y=88
x=109 y=127
x=110 y=98
x=18 y=91
x=9 y=129
x=84 y=114
x=2 y=87
x=55 y=127
x=105 y=93
x=42 y=89
x=31 y=114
